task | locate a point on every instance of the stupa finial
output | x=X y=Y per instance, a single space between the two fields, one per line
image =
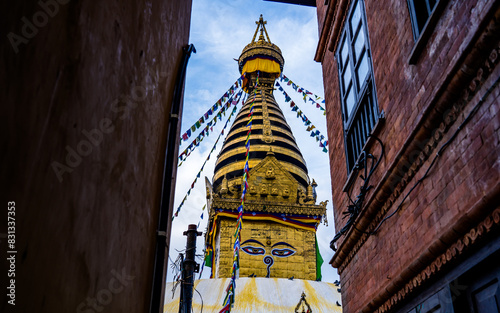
x=261 y=26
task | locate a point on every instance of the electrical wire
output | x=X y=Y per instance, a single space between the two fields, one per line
x=355 y=207
x=201 y=300
x=440 y=151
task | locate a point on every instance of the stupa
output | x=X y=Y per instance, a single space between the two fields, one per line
x=279 y=259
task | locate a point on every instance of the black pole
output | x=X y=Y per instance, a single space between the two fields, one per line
x=188 y=269
x=165 y=215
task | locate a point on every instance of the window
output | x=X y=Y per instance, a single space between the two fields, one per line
x=420 y=12
x=357 y=90
x=440 y=301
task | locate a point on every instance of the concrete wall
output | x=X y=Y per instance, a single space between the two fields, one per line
x=423 y=103
x=86 y=91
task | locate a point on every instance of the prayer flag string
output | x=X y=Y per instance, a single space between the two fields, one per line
x=310 y=127
x=206 y=131
x=213 y=109
x=208 y=158
x=314 y=99
x=231 y=288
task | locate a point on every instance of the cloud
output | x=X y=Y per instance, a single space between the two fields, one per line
x=220 y=30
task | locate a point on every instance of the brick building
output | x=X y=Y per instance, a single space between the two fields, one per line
x=421 y=77
x=87 y=92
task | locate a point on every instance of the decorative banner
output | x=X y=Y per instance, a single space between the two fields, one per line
x=201 y=217
x=219 y=104
x=209 y=249
x=314 y=133
x=206 y=131
x=231 y=288
x=305 y=93
x=319 y=261
x=201 y=170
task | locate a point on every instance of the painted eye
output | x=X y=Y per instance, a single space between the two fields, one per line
x=253 y=250
x=282 y=253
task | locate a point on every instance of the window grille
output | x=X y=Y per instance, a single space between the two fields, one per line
x=357 y=90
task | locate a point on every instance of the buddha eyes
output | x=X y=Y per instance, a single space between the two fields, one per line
x=282 y=253
x=253 y=250
x=278 y=249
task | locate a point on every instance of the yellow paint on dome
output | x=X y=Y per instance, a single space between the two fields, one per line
x=270 y=295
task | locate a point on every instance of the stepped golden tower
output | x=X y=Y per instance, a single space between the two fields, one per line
x=280 y=215
x=279 y=261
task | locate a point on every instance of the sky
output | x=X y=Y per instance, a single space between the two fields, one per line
x=219 y=31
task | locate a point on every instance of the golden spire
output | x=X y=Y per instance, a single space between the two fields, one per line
x=270 y=131
x=261 y=48
x=261 y=24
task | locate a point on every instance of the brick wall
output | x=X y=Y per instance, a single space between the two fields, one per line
x=89 y=86
x=417 y=100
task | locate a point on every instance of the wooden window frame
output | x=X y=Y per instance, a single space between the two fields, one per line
x=422 y=36
x=360 y=121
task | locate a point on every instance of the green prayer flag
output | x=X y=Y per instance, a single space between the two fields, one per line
x=208 y=259
x=319 y=261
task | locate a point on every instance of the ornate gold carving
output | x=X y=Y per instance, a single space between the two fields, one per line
x=270 y=173
x=233 y=189
x=267 y=135
x=258 y=204
x=274 y=191
x=303 y=197
x=252 y=190
x=286 y=192
x=224 y=188
x=310 y=192
x=252 y=163
x=263 y=190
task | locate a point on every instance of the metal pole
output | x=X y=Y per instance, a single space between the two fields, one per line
x=188 y=269
x=166 y=201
